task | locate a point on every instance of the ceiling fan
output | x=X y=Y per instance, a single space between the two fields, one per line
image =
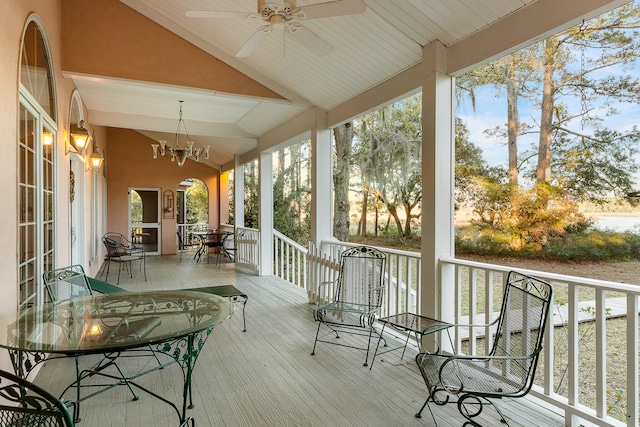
x=284 y=14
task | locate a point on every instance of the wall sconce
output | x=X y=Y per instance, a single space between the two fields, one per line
x=167 y=204
x=47 y=138
x=95 y=159
x=78 y=138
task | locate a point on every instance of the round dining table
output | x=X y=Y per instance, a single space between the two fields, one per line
x=174 y=324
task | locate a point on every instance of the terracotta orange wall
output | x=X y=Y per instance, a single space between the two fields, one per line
x=108 y=38
x=130 y=163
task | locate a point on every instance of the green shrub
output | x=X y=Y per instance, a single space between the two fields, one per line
x=586 y=245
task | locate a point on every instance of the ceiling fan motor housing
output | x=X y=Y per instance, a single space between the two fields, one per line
x=268 y=9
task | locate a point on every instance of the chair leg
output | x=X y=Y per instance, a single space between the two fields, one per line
x=426 y=404
x=474 y=407
x=366 y=358
x=316 y=341
x=106 y=279
x=119 y=269
x=244 y=320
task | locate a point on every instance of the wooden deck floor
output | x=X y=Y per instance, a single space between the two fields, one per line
x=267 y=376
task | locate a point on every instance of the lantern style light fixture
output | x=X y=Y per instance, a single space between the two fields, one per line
x=80 y=136
x=180 y=153
x=47 y=138
x=95 y=159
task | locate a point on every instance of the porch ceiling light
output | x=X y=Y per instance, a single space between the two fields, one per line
x=180 y=153
x=80 y=136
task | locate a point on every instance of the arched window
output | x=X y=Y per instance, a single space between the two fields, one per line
x=37 y=136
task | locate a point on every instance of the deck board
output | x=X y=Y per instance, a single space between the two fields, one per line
x=267 y=375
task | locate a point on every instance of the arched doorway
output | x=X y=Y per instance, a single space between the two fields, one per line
x=192 y=210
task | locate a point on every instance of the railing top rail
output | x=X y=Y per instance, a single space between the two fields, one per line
x=408 y=254
x=289 y=241
x=248 y=229
x=553 y=277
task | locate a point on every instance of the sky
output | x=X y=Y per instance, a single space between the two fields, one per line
x=491 y=111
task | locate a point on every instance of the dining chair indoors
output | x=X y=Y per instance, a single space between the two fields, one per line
x=356 y=299
x=22 y=403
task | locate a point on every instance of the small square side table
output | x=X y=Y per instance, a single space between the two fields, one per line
x=411 y=323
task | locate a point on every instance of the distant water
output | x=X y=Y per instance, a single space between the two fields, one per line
x=618 y=223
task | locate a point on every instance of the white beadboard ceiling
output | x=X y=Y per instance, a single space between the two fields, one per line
x=368 y=49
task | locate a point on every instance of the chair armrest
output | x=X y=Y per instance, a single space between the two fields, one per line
x=322 y=285
x=476 y=325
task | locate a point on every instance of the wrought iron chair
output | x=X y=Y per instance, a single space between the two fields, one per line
x=121 y=251
x=509 y=368
x=229 y=246
x=23 y=403
x=66 y=283
x=214 y=242
x=187 y=241
x=357 y=297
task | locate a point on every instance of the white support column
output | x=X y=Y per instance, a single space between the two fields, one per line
x=438 y=130
x=238 y=193
x=321 y=180
x=633 y=389
x=265 y=213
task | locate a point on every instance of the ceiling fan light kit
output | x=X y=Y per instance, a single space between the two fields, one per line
x=286 y=15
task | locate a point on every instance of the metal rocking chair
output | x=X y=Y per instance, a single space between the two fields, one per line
x=509 y=368
x=357 y=297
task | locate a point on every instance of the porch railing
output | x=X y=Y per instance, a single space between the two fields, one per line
x=401 y=276
x=587 y=313
x=188 y=240
x=289 y=260
x=578 y=333
x=247 y=249
x=589 y=379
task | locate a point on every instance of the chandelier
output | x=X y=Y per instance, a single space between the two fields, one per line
x=177 y=152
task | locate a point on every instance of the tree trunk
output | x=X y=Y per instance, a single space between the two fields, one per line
x=543 y=172
x=376 y=221
x=409 y=215
x=343 y=137
x=363 y=218
x=394 y=213
x=512 y=120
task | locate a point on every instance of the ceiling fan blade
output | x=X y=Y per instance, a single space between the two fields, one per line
x=310 y=40
x=253 y=42
x=215 y=14
x=333 y=8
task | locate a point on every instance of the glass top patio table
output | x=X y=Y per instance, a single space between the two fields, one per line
x=112 y=322
x=173 y=323
x=202 y=234
x=411 y=323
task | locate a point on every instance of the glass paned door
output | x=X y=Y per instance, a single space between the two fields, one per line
x=36 y=223
x=144 y=219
